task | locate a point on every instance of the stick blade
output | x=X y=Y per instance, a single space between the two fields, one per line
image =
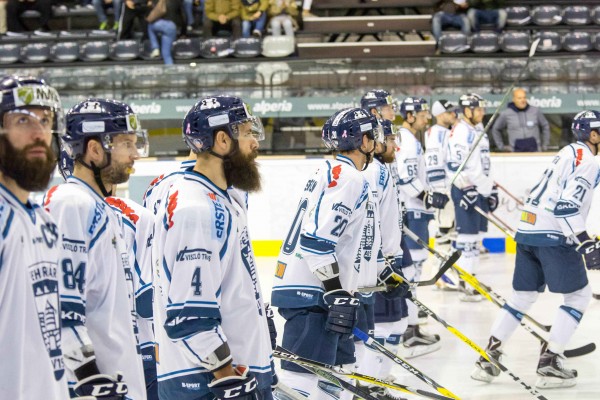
x=450 y=261
x=580 y=351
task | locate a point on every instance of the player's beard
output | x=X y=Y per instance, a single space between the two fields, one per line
x=30 y=174
x=241 y=170
x=116 y=173
x=387 y=156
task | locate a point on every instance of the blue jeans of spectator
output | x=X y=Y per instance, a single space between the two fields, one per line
x=494 y=17
x=442 y=20
x=258 y=24
x=168 y=33
x=188 y=9
x=101 y=14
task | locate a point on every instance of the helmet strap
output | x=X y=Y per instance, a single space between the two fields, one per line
x=97 y=177
x=368 y=155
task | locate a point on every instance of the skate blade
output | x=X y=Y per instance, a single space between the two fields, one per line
x=470 y=298
x=549 y=382
x=420 y=350
x=480 y=375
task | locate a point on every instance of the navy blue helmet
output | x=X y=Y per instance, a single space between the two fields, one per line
x=65 y=164
x=217 y=113
x=413 y=105
x=471 y=100
x=388 y=127
x=345 y=129
x=101 y=119
x=18 y=92
x=584 y=123
x=377 y=98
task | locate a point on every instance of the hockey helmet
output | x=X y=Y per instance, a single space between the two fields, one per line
x=584 y=123
x=377 y=98
x=413 y=105
x=65 y=164
x=471 y=100
x=344 y=130
x=21 y=93
x=388 y=127
x=101 y=119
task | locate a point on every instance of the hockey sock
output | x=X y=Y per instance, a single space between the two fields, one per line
x=567 y=318
x=469 y=259
x=344 y=395
x=305 y=384
x=370 y=364
x=392 y=343
x=512 y=313
x=413 y=310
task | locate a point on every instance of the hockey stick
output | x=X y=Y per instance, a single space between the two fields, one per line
x=311 y=365
x=509 y=194
x=288 y=392
x=448 y=263
x=532 y=50
x=373 y=344
x=530 y=389
x=507 y=230
x=497 y=299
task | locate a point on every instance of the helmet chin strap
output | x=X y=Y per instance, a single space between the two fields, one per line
x=368 y=155
x=97 y=174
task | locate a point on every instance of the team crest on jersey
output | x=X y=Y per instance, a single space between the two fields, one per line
x=45 y=291
x=368 y=236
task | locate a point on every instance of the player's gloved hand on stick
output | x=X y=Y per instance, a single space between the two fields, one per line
x=493 y=200
x=242 y=386
x=435 y=200
x=469 y=198
x=101 y=386
x=342 y=314
x=272 y=329
x=590 y=249
x=389 y=276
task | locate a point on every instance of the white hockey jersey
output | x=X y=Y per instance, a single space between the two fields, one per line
x=97 y=296
x=332 y=214
x=558 y=205
x=206 y=288
x=477 y=170
x=32 y=364
x=138 y=225
x=158 y=188
x=436 y=155
x=412 y=178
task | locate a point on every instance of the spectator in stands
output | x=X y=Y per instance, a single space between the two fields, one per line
x=487 y=12
x=282 y=14
x=526 y=127
x=222 y=15
x=134 y=9
x=167 y=27
x=306 y=6
x=101 y=14
x=450 y=13
x=254 y=17
x=15 y=8
x=2 y=17
x=188 y=8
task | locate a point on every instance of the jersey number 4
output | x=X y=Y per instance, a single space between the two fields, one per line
x=197 y=282
x=74 y=278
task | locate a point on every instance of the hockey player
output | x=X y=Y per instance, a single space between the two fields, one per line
x=104 y=139
x=473 y=187
x=391 y=306
x=551 y=239
x=319 y=265
x=32 y=364
x=419 y=202
x=211 y=327
x=436 y=149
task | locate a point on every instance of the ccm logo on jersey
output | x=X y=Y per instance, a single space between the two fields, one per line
x=340 y=301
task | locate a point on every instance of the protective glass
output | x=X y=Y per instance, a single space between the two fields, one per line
x=133 y=145
x=257 y=129
x=25 y=121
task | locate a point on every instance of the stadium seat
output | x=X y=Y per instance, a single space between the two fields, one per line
x=483 y=71
x=596 y=41
x=147 y=76
x=59 y=78
x=514 y=41
x=124 y=50
x=35 y=53
x=247 y=47
x=178 y=76
x=453 y=42
x=94 y=51
x=581 y=69
x=577 y=41
x=596 y=15
x=278 y=46
x=484 y=42
x=216 y=48
x=450 y=71
x=186 y=49
x=517 y=16
x=9 y=53
x=577 y=15
x=64 y=52
x=546 y=70
x=549 y=41
x=511 y=70
x=89 y=78
x=211 y=75
x=272 y=73
x=241 y=74
x=546 y=15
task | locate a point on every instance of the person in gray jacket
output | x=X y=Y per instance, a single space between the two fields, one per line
x=527 y=128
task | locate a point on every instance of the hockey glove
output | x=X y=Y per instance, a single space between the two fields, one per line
x=590 y=249
x=493 y=200
x=271 y=324
x=435 y=200
x=469 y=198
x=242 y=386
x=342 y=314
x=102 y=386
x=387 y=277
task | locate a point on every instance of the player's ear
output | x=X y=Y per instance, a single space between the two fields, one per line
x=94 y=151
x=222 y=141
